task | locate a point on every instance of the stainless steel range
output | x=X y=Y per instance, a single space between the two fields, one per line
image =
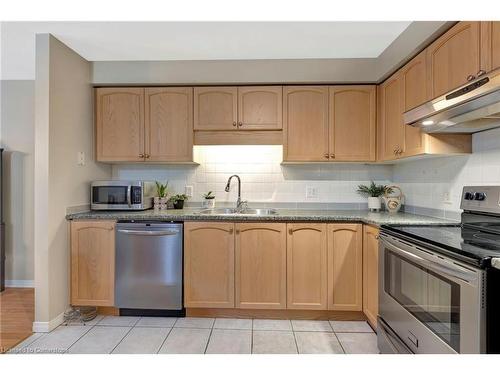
x=439 y=285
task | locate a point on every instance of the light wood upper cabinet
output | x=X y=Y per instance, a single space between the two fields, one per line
x=352 y=114
x=391 y=126
x=454 y=57
x=415 y=93
x=215 y=108
x=209 y=264
x=490 y=45
x=169 y=124
x=345 y=267
x=305 y=118
x=260 y=274
x=119 y=124
x=92 y=263
x=260 y=107
x=370 y=273
x=307 y=266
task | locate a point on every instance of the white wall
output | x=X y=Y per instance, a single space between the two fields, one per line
x=64 y=118
x=264 y=180
x=17 y=116
x=425 y=182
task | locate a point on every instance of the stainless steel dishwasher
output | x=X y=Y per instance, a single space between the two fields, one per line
x=148 y=274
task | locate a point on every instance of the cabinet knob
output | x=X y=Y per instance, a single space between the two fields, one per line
x=141 y=156
x=240 y=123
x=237 y=231
x=290 y=231
x=147 y=156
x=470 y=77
x=332 y=156
x=234 y=123
x=376 y=237
x=231 y=231
x=480 y=73
x=327 y=156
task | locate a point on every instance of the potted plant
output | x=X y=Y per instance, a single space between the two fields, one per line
x=160 y=201
x=209 y=200
x=178 y=200
x=374 y=192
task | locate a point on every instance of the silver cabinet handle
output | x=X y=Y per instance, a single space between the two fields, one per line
x=149 y=232
x=471 y=78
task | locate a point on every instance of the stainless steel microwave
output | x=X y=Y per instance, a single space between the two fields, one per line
x=121 y=195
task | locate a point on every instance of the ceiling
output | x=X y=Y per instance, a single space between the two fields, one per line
x=170 y=41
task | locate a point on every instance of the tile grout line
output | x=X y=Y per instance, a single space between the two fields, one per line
x=69 y=347
x=251 y=338
x=340 y=343
x=165 y=339
x=209 y=336
x=123 y=338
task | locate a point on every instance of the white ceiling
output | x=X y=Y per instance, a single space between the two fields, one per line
x=111 y=41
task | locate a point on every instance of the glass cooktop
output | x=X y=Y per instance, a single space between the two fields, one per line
x=466 y=244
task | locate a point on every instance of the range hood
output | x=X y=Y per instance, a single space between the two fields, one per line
x=471 y=108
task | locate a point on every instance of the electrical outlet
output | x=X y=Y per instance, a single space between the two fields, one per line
x=312 y=192
x=80 y=157
x=447 y=198
x=188 y=190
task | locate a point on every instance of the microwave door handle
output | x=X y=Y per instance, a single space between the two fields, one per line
x=149 y=232
x=447 y=270
x=129 y=195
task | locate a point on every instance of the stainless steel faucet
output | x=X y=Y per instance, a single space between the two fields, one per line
x=240 y=205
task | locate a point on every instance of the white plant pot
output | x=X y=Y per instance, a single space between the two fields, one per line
x=209 y=203
x=374 y=204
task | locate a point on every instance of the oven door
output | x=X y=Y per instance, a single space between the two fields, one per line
x=111 y=196
x=434 y=304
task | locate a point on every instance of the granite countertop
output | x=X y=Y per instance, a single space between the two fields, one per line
x=193 y=214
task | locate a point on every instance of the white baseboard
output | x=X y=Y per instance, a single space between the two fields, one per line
x=20 y=283
x=50 y=325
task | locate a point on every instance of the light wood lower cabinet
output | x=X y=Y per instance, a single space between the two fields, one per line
x=307 y=266
x=260 y=266
x=92 y=263
x=209 y=264
x=345 y=268
x=370 y=274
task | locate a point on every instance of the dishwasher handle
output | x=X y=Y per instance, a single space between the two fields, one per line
x=148 y=232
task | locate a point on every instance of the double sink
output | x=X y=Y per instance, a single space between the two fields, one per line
x=234 y=211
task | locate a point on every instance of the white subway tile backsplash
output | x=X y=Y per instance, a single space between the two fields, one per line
x=263 y=177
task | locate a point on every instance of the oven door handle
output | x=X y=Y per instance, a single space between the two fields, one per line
x=448 y=269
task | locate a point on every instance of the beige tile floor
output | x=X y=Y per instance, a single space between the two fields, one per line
x=144 y=335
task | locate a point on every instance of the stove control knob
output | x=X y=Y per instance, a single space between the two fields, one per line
x=479 y=196
x=468 y=196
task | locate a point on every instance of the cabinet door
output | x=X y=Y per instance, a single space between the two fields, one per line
x=392 y=130
x=119 y=124
x=305 y=116
x=307 y=267
x=352 y=114
x=92 y=263
x=345 y=268
x=215 y=108
x=169 y=124
x=490 y=45
x=370 y=274
x=454 y=57
x=415 y=93
x=260 y=107
x=260 y=266
x=209 y=264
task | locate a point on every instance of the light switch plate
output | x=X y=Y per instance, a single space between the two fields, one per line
x=188 y=190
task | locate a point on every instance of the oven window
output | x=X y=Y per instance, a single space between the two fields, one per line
x=109 y=194
x=430 y=297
